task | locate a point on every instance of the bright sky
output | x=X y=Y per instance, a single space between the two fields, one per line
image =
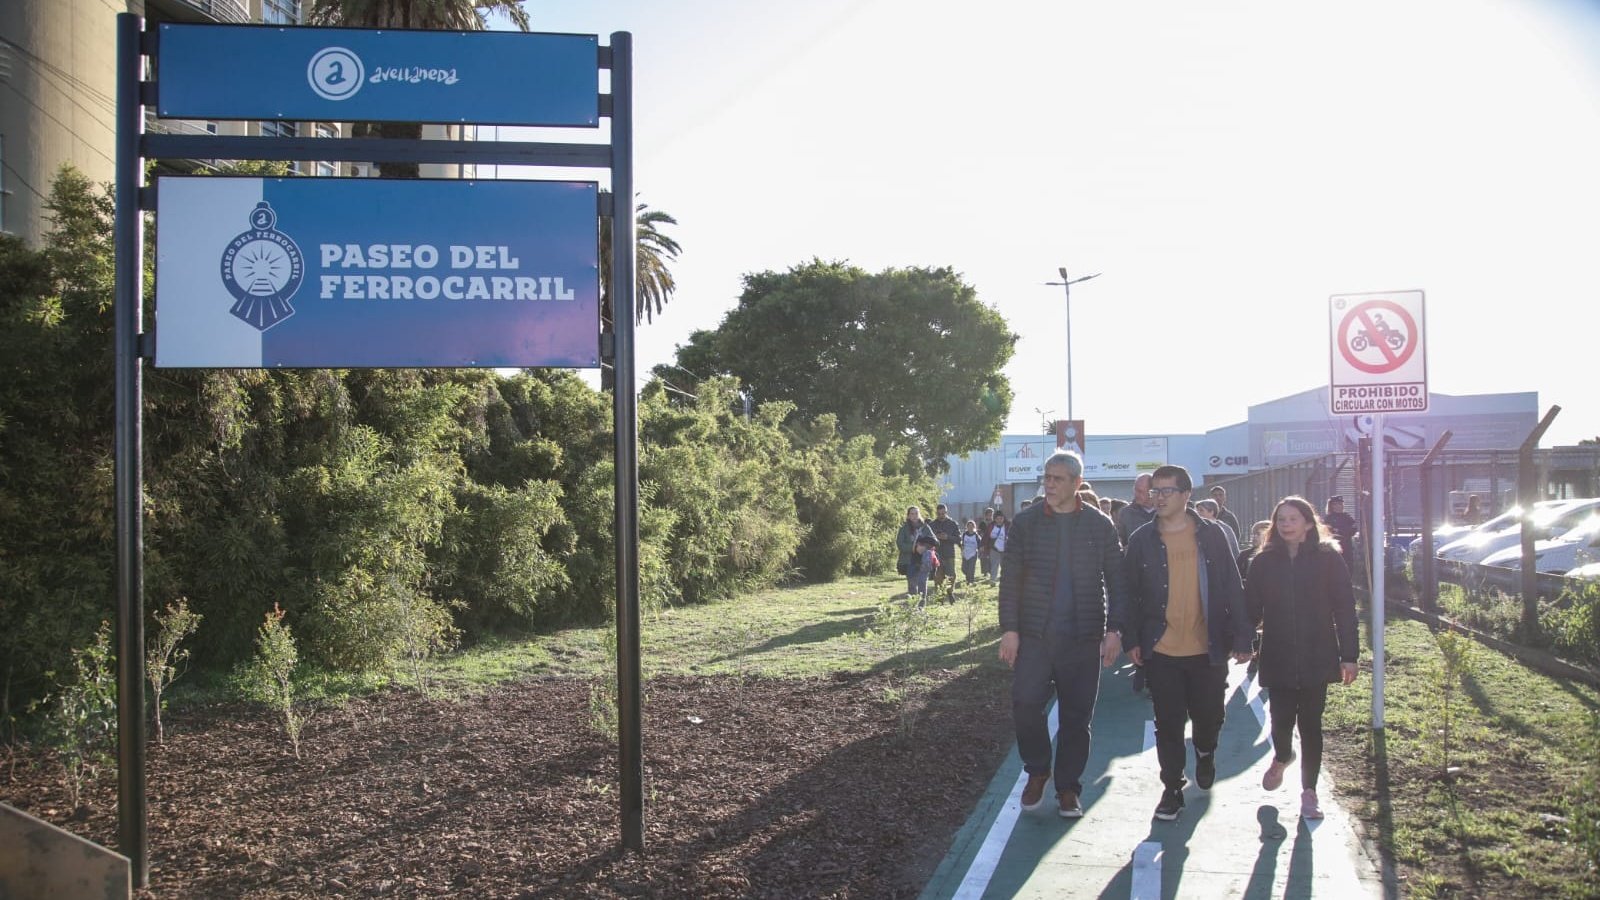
x=1227 y=166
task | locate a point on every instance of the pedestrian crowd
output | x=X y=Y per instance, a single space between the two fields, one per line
x=1083 y=580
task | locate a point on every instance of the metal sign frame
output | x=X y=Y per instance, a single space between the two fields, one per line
x=134 y=345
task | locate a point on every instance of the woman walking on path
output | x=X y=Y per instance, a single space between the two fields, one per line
x=906 y=542
x=1298 y=590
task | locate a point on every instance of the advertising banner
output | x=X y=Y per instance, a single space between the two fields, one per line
x=369 y=75
x=1124 y=458
x=362 y=272
x=1025 y=456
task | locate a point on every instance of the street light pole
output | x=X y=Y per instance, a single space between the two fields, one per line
x=1066 y=283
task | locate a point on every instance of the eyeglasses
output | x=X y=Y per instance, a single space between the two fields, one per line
x=1165 y=491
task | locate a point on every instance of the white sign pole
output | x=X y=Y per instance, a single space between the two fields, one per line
x=1377 y=570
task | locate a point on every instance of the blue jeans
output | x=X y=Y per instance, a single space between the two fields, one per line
x=1071 y=669
x=917 y=583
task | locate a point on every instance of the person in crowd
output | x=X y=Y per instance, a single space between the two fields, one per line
x=984 y=545
x=1024 y=504
x=1062 y=598
x=1105 y=506
x=999 y=533
x=1140 y=511
x=1186 y=616
x=1089 y=498
x=970 y=541
x=948 y=531
x=1343 y=527
x=905 y=541
x=1225 y=515
x=1299 y=591
x=1474 y=513
x=1258 y=539
x=1210 y=509
x=924 y=562
x=1117 y=505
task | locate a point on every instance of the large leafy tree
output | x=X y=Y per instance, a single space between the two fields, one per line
x=908 y=356
x=441 y=15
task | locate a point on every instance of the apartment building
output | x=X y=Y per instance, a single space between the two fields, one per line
x=58 y=98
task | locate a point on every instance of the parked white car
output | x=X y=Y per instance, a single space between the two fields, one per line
x=1549 y=518
x=1446 y=534
x=1558 y=554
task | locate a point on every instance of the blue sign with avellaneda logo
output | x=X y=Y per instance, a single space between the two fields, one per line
x=371 y=75
x=359 y=272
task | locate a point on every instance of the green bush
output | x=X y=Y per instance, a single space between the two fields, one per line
x=1574 y=625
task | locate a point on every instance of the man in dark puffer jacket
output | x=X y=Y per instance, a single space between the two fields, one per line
x=1062 y=596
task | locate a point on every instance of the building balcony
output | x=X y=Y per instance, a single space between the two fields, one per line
x=229 y=11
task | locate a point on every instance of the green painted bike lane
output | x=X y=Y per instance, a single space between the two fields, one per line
x=1235 y=840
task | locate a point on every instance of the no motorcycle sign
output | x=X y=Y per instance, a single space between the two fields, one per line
x=1379 y=362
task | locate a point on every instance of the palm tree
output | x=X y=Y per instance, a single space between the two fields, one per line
x=654 y=251
x=439 y=15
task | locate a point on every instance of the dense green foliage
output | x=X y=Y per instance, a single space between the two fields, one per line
x=909 y=357
x=387 y=513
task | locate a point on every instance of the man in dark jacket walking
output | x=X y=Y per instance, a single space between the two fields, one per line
x=1140 y=511
x=948 y=531
x=1061 y=616
x=1186 y=615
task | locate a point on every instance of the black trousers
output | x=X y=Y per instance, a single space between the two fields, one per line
x=1302 y=706
x=1184 y=689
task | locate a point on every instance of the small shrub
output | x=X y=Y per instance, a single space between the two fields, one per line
x=1574 y=630
x=80 y=719
x=603 y=715
x=1456 y=662
x=163 y=657
x=270 y=676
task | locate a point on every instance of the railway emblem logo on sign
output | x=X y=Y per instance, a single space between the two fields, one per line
x=1378 y=360
x=262 y=268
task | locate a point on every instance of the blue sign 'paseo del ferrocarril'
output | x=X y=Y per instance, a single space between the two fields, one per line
x=317 y=272
x=356 y=75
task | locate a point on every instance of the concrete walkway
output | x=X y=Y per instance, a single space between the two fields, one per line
x=1236 y=840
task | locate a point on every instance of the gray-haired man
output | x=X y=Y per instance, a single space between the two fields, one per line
x=1062 y=596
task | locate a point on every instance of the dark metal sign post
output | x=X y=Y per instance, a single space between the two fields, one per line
x=584 y=58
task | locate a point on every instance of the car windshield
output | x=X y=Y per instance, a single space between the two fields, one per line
x=1582 y=530
x=1504 y=520
x=1559 y=520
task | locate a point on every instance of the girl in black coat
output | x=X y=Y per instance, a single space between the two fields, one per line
x=1298 y=589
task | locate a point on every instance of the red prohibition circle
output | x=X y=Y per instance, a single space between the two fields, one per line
x=1362 y=315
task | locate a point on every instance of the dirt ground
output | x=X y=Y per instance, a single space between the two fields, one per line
x=766 y=788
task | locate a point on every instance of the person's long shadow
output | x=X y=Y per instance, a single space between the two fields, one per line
x=1113 y=736
x=1240 y=747
x=1265 y=871
x=1174 y=840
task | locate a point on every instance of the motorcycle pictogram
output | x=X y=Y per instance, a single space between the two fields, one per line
x=1380 y=329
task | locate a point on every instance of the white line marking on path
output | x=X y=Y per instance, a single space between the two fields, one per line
x=987 y=858
x=1146 y=872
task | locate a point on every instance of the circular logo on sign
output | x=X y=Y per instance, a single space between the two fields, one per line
x=335 y=73
x=262 y=268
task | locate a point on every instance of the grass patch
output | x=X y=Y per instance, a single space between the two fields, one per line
x=796 y=632
x=1481 y=818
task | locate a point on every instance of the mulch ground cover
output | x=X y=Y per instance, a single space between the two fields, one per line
x=762 y=788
